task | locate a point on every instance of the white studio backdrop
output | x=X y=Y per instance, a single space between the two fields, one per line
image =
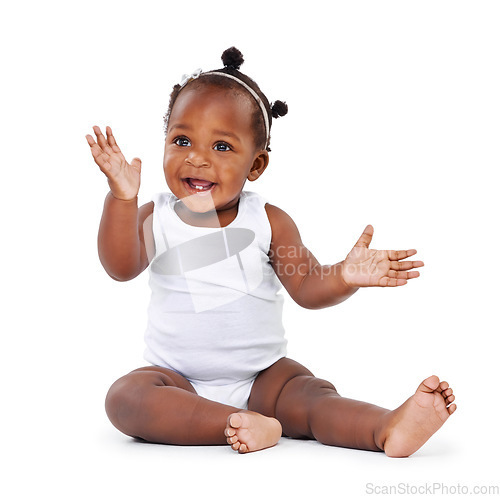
x=393 y=121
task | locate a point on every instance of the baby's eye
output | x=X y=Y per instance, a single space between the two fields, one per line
x=182 y=142
x=222 y=147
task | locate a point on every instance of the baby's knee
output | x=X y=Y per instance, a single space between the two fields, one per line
x=118 y=405
x=125 y=402
x=308 y=388
x=297 y=402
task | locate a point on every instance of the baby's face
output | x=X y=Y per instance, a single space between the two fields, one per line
x=210 y=150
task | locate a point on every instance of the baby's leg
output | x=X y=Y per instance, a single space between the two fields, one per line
x=161 y=406
x=311 y=408
x=308 y=407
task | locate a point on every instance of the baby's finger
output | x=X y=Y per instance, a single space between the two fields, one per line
x=406 y=265
x=406 y=275
x=100 y=157
x=392 y=282
x=90 y=140
x=397 y=255
x=95 y=149
x=101 y=140
x=111 y=140
x=366 y=237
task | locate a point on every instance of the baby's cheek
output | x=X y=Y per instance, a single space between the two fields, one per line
x=168 y=161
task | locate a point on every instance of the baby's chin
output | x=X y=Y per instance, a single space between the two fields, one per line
x=201 y=202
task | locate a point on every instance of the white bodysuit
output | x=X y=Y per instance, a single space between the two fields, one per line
x=215 y=312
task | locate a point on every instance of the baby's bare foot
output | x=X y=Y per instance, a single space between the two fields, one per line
x=419 y=417
x=250 y=431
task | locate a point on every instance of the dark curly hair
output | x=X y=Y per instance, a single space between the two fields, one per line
x=232 y=59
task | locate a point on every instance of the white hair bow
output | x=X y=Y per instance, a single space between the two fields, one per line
x=186 y=78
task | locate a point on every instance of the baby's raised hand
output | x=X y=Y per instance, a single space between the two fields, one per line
x=124 y=179
x=366 y=267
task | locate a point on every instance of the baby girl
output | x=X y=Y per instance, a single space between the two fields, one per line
x=218 y=256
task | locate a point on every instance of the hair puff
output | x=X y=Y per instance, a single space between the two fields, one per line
x=279 y=109
x=232 y=58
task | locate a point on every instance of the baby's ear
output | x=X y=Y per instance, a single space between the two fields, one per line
x=259 y=165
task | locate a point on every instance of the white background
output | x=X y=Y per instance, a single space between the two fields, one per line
x=393 y=121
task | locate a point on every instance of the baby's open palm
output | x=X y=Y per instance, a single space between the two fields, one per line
x=364 y=267
x=124 y=179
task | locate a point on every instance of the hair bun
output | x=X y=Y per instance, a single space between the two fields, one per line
x=232 y=58
x=279 y=109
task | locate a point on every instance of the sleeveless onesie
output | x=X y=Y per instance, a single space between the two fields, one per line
x=215 y=311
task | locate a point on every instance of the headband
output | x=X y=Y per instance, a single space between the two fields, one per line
x=186 y=78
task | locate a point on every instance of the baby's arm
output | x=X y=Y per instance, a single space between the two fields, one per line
x=125 y=240
x=293 y=262
x=314 y=286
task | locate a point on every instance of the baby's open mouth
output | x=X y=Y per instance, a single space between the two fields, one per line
x=198 y=185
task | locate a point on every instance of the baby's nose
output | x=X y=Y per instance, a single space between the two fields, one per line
x=197 y=158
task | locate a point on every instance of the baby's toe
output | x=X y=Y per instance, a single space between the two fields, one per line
x=234 y=420
x=243 y=448
x=229 y=432
x=429 y=385
x=232 y=439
